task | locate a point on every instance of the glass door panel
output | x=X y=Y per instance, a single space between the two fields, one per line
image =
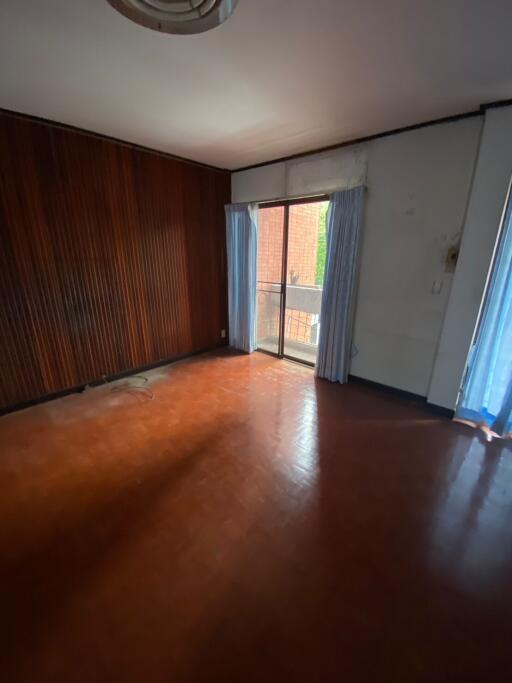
x=269 y=285
x=305 y=264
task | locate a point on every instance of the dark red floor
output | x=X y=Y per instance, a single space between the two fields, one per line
x=252 y=524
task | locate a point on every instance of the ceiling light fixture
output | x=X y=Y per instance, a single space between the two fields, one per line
x=176 y=16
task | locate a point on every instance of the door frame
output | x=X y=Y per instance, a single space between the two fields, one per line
x=286 y=203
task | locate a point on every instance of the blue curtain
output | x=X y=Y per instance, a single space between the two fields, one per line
x=486 y=395
x=242 y=245
x=336 y=314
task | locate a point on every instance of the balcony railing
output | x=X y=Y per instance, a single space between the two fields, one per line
x=301 y=321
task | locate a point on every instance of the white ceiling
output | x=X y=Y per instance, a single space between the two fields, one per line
x=279 y=77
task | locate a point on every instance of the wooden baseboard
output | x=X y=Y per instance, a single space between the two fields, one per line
x=107 y=378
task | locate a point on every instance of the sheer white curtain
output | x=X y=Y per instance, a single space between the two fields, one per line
x=486 y=395
x=336 y=316
x=242 y=246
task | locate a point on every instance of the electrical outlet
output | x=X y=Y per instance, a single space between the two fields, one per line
x=437 y=286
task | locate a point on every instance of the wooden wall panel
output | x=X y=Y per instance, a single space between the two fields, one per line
x=111 y=258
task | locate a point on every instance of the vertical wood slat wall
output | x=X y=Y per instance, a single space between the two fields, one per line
x=111 y=258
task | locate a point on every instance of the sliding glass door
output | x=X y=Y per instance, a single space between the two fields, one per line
x=269 y=285
x=291 y=262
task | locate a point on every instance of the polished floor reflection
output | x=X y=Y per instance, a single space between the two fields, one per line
x=251 y=523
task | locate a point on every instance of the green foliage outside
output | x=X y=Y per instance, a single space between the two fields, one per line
x=322 y=245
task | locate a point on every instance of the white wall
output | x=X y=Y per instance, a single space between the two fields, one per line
x=418 y=183
x=259 y=184
x=307 y=175
x=492 y=176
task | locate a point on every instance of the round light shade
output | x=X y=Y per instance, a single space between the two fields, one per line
x=176 y=16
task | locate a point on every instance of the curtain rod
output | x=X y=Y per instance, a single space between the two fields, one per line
x=318 y=195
